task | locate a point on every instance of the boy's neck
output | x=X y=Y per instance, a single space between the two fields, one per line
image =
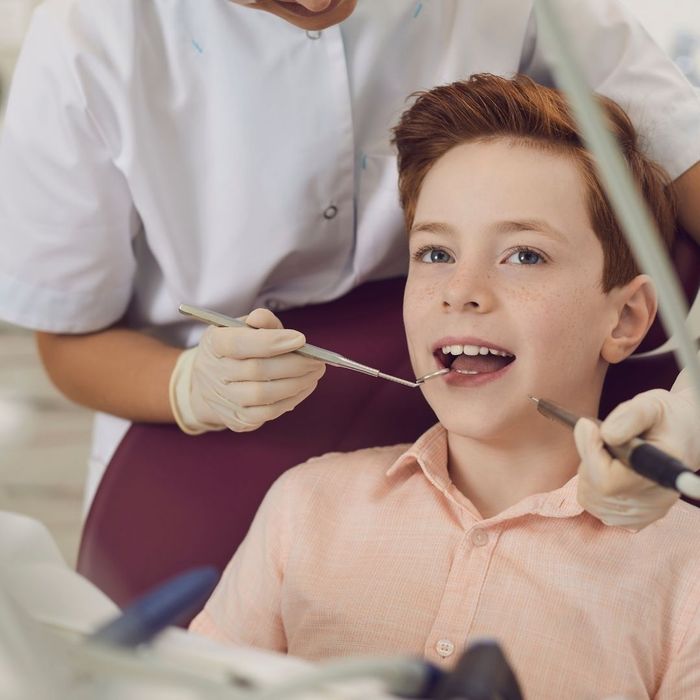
x=495 y=476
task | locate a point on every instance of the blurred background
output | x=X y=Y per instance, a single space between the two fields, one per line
x=44 y=439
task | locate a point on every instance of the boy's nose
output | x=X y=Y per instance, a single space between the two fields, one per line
x=468 y=289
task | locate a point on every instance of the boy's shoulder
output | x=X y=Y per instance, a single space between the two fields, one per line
x=675 y=537
x=683 y=517
x=344 y=471
x=368 y=459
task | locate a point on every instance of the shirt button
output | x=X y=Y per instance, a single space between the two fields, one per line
x=444 y=648
x=313 y=35
x=330 y=212
x=479 y=538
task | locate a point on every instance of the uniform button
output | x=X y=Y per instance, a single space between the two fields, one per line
x=330 y=212
x=313 y=35
x=444 y=648
x=479 y=538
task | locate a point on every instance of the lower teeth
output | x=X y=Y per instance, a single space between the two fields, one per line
x=465 y=371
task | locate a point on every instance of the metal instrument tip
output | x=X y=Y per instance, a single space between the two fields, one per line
x=432 y=375
x=398 y=380
x=532 y=398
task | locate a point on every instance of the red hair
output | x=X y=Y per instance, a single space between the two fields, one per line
x=487 y=107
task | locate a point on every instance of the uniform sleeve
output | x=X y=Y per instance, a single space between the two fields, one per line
x=621 y=61
x=66 y=215
x=245 y=607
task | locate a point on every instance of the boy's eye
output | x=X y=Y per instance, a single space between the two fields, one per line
x=525 y=256
x=429 y=254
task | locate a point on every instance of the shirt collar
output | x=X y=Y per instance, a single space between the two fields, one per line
x=429 y=453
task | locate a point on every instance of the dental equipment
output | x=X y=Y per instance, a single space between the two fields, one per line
x=331 y=358
x=403 y=676
x=482 y=673
x=168 y=604
x=625 y=198
x=637 y=454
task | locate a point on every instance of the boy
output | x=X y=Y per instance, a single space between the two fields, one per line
x=521 y=282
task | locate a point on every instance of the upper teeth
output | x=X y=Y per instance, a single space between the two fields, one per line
x=472 y=350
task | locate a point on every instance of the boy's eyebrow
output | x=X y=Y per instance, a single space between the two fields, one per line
x=502 y=228
x=529 y=225
x=432 y=227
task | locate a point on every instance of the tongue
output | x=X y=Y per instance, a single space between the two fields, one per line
x=480 y=363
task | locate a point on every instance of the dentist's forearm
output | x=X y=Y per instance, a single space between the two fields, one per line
x=687 y=188
x=117 y=371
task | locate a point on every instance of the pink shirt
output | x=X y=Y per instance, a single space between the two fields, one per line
x=376 y=552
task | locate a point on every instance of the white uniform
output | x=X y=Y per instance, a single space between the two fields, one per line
x=199 y=151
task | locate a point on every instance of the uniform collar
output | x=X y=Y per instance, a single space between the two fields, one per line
x=429 y=453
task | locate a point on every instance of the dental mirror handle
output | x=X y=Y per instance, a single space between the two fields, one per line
x=307 y=350
x=314 y=352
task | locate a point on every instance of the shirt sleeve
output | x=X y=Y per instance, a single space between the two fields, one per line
x=682 y=679
x=621 y=61
x=245 y=607
x=66 y=216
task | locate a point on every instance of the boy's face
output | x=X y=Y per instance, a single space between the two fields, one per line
x=306 y=14
x=503 y=256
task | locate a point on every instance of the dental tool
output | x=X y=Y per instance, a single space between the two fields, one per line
x=639 y=455
x=331 y=358
x=167 y=604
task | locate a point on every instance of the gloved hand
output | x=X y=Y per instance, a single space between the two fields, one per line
x=239 y=378
x=612 y=492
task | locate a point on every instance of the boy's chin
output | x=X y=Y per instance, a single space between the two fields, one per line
x=482 y=428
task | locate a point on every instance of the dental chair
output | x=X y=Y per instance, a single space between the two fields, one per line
x=169 y=501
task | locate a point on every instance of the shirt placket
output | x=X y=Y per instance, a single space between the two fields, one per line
x=460 y=600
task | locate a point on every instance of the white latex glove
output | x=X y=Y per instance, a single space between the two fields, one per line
x=612 y=492
x=239 y=378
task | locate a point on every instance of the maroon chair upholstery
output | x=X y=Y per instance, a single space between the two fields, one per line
x=169 y=501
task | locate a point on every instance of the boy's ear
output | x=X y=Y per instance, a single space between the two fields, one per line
x=635 y=305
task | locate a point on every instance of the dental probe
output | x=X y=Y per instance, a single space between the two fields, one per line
x=314 y=352
x=639 y=455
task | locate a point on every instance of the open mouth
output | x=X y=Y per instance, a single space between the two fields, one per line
x=473 y=359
